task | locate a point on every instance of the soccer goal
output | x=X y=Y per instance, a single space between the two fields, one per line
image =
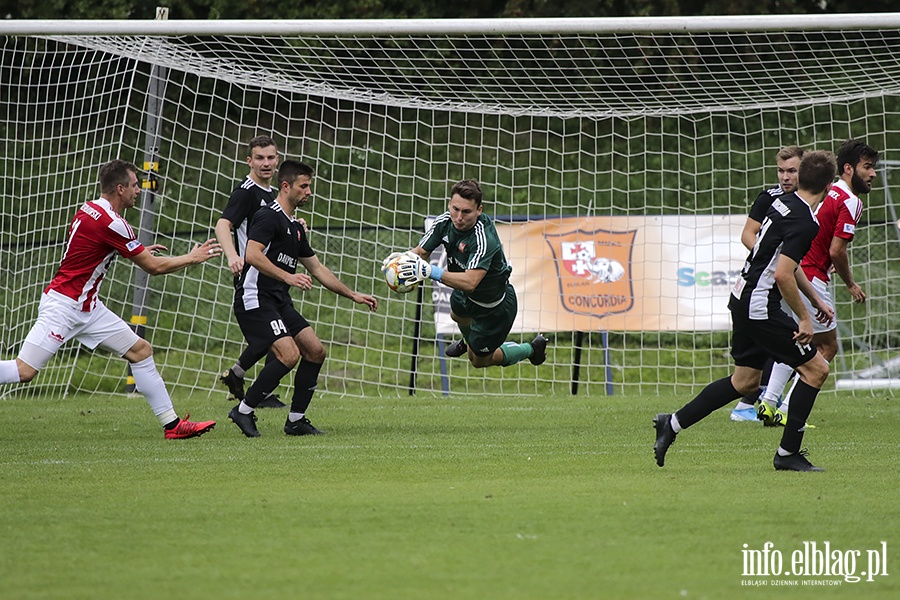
x=618 y=156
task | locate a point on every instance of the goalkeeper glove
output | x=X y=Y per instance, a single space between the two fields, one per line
x=395 y=255
x=391 y=257
x=414 y=269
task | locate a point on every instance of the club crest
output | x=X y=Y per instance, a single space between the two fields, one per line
x=594 y=270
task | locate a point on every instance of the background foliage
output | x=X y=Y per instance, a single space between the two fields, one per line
x=421 y=9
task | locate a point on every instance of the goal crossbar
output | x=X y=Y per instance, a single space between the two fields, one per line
x=380 y=27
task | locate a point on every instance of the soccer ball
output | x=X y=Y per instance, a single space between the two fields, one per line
x=392 y=278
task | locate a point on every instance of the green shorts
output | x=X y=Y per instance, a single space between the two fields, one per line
x=490 y=326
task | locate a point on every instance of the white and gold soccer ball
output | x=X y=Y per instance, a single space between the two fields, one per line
x=391 y=273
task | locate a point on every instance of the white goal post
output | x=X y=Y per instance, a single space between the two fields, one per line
x=640 y=141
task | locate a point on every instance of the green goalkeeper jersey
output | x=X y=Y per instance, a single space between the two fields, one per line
x=478 y=248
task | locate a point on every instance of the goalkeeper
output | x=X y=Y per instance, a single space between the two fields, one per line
x=483 y=302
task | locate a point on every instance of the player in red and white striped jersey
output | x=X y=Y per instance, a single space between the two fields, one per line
x=96 y=235
x=838 y=215
x=71 y=309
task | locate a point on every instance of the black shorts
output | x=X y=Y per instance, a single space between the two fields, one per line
x=753 y=342
x=262 y=326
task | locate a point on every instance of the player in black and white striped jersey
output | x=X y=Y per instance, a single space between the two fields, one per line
x=788 y=163
x=276 y=245
x=254 y=192
x=761 y=328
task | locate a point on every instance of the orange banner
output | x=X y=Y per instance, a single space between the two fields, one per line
x=662 y=273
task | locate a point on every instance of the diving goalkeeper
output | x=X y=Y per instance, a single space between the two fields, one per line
x=483 y=303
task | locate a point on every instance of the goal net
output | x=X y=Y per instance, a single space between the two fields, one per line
x=618 y=156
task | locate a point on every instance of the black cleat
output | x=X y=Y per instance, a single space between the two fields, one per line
x=539 y=343
x=794 y=462
x=234 y=384
x=457 y=348
x=246 y=423
x=664 y=436
x=271 y=401
x=301 y=427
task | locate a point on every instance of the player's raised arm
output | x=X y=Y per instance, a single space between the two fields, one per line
x=160 y=265
x=223 y=235
x=256 y=256
x=326 y=277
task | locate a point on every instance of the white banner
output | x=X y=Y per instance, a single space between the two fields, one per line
x=662 y=273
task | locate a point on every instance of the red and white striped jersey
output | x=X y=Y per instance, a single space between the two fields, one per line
x=96 y=234
x=838 y=215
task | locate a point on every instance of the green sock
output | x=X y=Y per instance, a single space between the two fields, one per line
x=513 y=353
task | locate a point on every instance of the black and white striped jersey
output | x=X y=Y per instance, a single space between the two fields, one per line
x=788 y=228
x=245 y=200
x=284 y=241
x=761 y=205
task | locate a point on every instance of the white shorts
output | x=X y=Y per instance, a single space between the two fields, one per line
x=61 y=319
x=822 y=289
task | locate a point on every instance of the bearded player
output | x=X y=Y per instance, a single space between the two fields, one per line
x=838 y=215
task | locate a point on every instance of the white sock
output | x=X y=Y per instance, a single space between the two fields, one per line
x=743 y=405
x=244 y=408
x=777 y=380
x=676 y=426
x=9 y=371
x=238 y=370
x=148 y=381
x=783 y=452
x=295 y=416
x=786 y=402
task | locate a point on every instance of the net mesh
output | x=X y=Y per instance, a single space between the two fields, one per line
x=574 y=126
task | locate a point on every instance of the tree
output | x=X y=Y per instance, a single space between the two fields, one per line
x=419 y=9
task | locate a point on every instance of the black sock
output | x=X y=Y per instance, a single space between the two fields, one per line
x=767 y=370
x=753 y=397
x=267 y=380
x=803 y=396
x=305 y=382
x=712 y=397
x=250 y=357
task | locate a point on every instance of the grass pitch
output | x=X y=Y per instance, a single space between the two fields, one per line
x=496 y=498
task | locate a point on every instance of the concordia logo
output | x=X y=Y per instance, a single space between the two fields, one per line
x=594 y=269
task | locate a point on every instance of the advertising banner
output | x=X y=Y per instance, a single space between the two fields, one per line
x=636 y=273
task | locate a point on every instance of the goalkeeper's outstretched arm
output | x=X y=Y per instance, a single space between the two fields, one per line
x=420 y=269
x=466 y=281
x=422 y=252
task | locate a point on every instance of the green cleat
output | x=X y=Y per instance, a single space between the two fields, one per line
x=766 y=413
x=781 y=418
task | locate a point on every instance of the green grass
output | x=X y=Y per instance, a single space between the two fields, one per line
x=507 y=497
